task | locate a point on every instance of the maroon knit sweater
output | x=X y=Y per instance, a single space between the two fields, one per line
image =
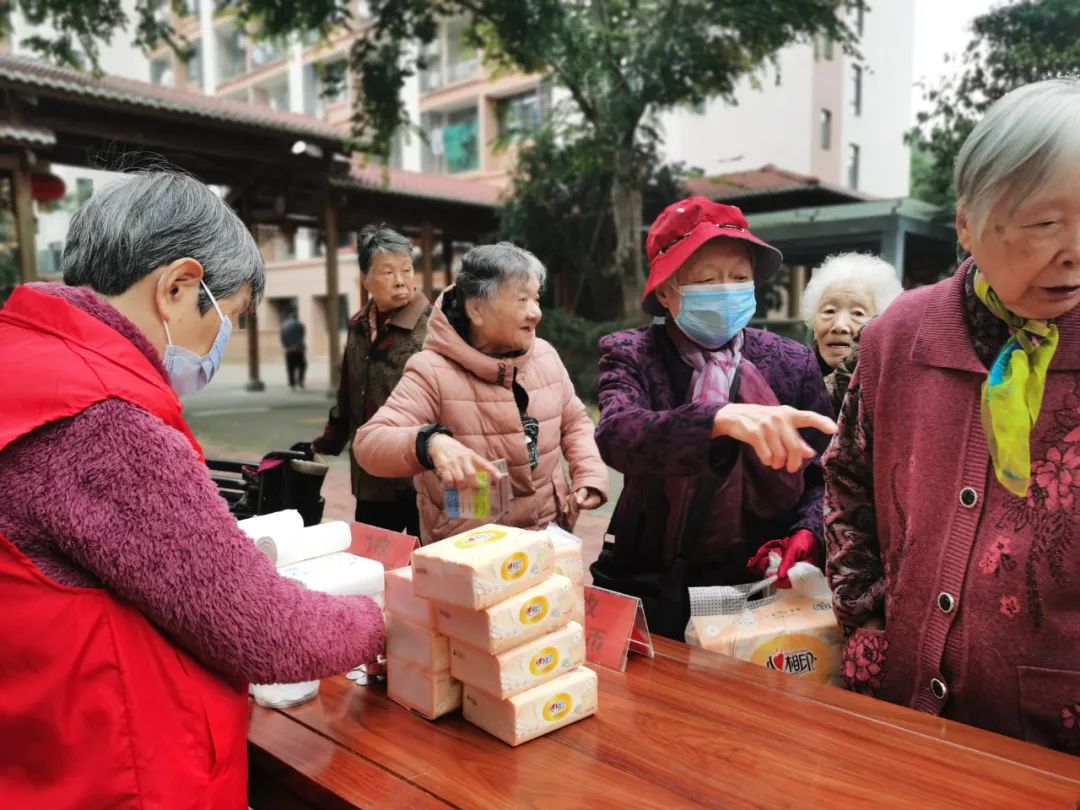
x=114 y=498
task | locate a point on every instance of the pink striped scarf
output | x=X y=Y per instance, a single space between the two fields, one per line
x=714 y=371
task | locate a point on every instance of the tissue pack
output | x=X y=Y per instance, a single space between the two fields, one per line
x=536 y=711
x=417 y=646
x=520 y=668
x=514 y=621
x=481 y=567
x=427 y=694
x=403 y=603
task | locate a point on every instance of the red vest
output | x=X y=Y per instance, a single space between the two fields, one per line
x=97 y=707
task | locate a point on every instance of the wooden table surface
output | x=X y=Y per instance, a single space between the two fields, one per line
x=688 y=728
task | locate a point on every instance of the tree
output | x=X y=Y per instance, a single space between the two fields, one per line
x=1011 y=46
x=560 y=206
x=621 y=62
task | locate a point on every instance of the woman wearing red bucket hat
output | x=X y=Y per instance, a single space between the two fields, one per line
x=716 y=427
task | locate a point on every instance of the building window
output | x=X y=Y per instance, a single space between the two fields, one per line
x=273 y=94
x=826 y=129
x=231 y=54
x=284 y=307
x=823 y=48
x=523 y=114
x=450 y=58
x=161 y=71
x=266 y=51
x=856 y=88
x=452 y=143
x=853 y=165
x=324 y=83
x=194 y=66
x=461 y=57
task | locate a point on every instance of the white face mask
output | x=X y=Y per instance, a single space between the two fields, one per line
x=189 y=372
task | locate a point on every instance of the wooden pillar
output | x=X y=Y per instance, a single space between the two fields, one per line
x=796 y=284
x=254 y=382
x=427 y=247
x=333 y=335
x=448 y=257
x=23 y=200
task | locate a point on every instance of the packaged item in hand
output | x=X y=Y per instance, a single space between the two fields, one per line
x=489 y=501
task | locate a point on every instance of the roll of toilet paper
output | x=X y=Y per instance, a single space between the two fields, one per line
x=307 y=544
x=340 y=574
x=267 y=546
x=274 y=525
x=283 y=695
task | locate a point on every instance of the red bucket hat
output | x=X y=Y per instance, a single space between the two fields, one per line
x=685 y=226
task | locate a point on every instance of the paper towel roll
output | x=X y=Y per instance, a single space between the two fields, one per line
x=307 y=544
x=283 y=695
x=267 y=546
x=340 y=574
x=274 y=525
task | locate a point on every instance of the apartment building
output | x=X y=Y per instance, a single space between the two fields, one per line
x=818 y=111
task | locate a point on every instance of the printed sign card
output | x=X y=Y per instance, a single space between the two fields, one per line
x=392 y=549
x=614 y=626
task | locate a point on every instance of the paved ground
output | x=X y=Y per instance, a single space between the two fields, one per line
x=234 y=423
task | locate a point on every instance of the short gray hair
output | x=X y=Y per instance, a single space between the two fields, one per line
x=1028 y=136
x=485 y=268
x=130 y=228
x=374 y=239
x=859 y=270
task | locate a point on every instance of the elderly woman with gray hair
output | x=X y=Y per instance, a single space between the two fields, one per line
x=389 y=330
x=953 y=487
x=844 y=294
x=135 y=609
x=485 y=388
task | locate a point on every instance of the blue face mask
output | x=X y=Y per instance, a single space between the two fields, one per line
x=188 y=372
x=712 y=314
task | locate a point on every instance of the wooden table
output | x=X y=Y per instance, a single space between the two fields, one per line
x=688 y=728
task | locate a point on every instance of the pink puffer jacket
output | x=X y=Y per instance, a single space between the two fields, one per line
x=452 y=384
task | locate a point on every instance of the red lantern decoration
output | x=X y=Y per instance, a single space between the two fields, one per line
x=47 y=187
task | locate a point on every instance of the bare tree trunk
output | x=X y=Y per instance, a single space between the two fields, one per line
x=626 y=199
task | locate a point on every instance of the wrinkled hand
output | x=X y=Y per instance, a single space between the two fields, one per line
x=773 y=432
x=584 y=498
x=456 y=464
x=799 y=547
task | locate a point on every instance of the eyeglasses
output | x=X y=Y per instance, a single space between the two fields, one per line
x=676 y=241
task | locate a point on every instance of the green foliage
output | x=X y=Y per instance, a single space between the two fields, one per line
x=1011 y=46
x=560 y=208
x=622 y=62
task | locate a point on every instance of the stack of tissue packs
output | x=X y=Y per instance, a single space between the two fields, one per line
x=417 y=657
x=315 y=557
x=490 y=603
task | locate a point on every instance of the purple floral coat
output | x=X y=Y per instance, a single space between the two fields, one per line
x=978 y=590
x=651 y=434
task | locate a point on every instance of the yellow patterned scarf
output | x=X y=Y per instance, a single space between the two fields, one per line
x=1013 y=392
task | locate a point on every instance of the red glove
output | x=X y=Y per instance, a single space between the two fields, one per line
x=799 y=547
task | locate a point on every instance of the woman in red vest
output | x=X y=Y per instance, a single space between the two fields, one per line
x=952 y=496
x=135 y=611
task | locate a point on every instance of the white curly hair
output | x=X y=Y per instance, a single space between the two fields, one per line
x=858 y=270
